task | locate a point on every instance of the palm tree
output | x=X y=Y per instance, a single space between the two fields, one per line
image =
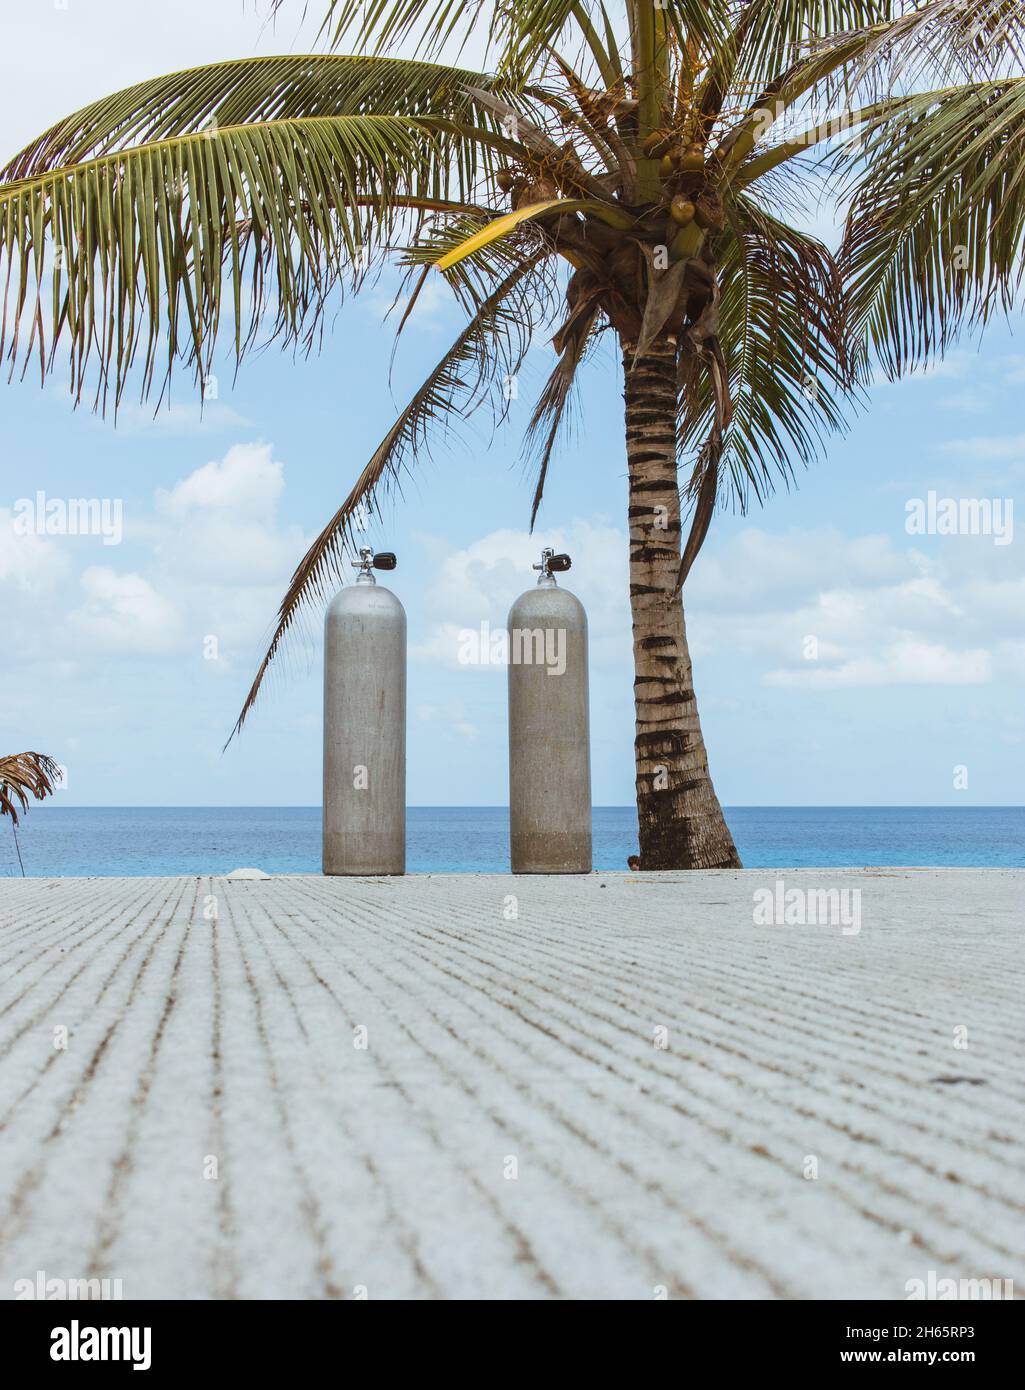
x=632 y=169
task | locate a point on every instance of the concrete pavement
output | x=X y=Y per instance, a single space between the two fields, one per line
x=482 y=1086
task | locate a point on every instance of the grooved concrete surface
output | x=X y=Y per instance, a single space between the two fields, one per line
x=511 y=1128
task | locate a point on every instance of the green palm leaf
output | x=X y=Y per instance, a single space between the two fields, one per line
x=159 y=207
x=518 y=32
x=245 y=92
x=791 y=360
x=885 y=54
x=574 y=340
x=772 y=38
x=384 y=23
x=936 y=230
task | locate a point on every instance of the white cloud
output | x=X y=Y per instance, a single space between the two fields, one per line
x=246 y=483
x=28 y=562
x=762 y=569
x=123 y=612
x=220 y=549
x=211 y=558
x=878 y=615
x=222 y=554
x=33 y=572
x=973 y=400
x=899 y=663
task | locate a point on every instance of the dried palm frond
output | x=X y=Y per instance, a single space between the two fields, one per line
x=23 y=775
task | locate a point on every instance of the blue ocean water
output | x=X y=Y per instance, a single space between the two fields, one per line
x=79 y=841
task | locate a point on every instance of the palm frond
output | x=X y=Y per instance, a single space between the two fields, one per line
x=603 y=48
x=23 y=775
x=935 y=237
x=247 y=91
x=572 y=342
x=384 y=24
x=518 y=32
x=561 y=164
x=960 y=39
x=471 y=278
x=791 y=362
x=773 y=35
x=887 y=52
x=164 y=215
x=533 y=25
x=772 y=38
x=826 y=71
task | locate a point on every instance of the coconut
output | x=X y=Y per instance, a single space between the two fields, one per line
x=506 y=180
x=692 y=159
x=681 y=210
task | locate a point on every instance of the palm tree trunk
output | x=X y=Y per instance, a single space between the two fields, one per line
x=680 y=820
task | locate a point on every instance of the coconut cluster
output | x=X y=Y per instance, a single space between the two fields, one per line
x=692 y=201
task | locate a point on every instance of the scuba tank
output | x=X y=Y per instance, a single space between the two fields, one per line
x=365 y=725
x=549 y=748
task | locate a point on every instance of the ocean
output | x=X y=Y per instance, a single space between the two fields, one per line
x=65 y=841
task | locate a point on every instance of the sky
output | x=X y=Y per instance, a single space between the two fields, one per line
x=839 y=660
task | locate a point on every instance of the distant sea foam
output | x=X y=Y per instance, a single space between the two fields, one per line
x=64 y=841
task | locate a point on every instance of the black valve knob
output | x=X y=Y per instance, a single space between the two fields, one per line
x=384 y=560
x=559 y=563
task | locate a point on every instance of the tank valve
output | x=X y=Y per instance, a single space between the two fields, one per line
x=383 y=560
x=552 y=564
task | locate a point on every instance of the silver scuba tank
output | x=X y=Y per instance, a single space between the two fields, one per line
x=365 y=726
x=549 y=744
